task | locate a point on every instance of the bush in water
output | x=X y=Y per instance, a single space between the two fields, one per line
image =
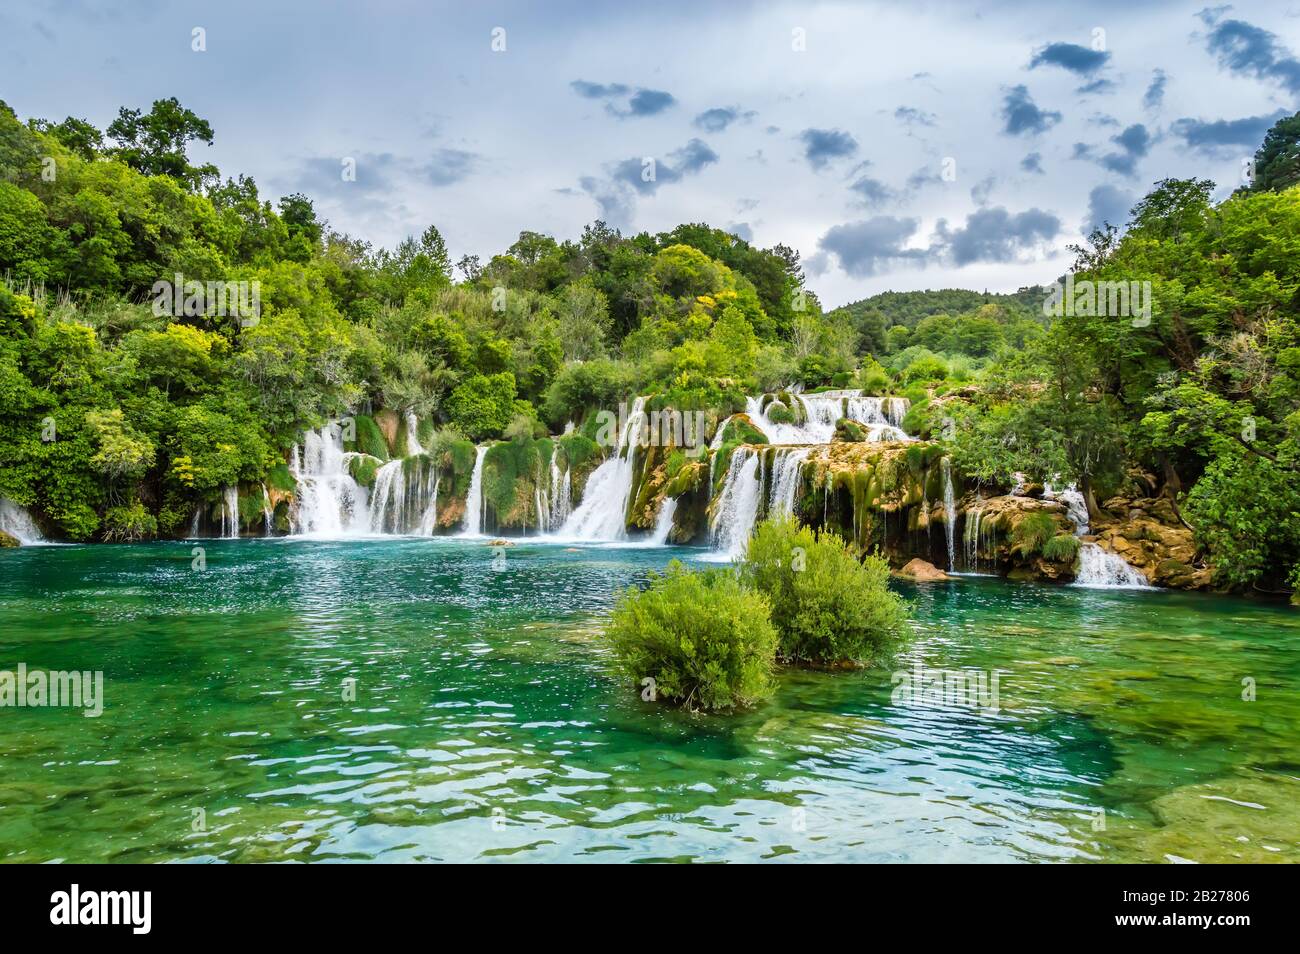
x=828 y=606
x=705 y=640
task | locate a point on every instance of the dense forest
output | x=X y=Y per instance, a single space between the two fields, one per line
x=119 y=417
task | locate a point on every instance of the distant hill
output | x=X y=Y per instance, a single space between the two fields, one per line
x=908 y=308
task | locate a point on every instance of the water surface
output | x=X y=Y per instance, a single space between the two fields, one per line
x=486 y=725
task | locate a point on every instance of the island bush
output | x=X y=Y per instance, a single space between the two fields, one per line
x=829 y=607
x=705 y=640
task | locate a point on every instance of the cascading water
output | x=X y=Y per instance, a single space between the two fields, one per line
x=412 y=435
x=473 y=525
x=787 y=472
x=18 y=523
x=268 y=514
x=737 y=505
x=329 y=501
x=974 y=517
x=883 y=417
x=949 y=512
x=429 y=519
x=388 y=498
x=230 y=512
x=664 y=521
x=602 y=515
x=1098 y=568
x=561 y=497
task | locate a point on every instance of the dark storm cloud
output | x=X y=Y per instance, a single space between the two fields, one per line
x=1249 y=50
x=996 y=235
x=1021 y=115
x=1070 y=56
x=821 y=146
x=1107 y=204
x=1213 y=136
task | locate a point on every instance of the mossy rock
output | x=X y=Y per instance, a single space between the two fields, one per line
x=370 y=436
x=8 y=540
x=280 y=479
x=363 y=468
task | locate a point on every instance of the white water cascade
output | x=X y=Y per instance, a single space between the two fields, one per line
x=18 y=523
x=429 y=519
x=473 y=525
x=737 y=506
x=882 y=415
x=330 y=501
x=230 y=512
x=664 y=521
x=1098 y=568
x=561 y=496
x=268 y=513
x=949 y=513
x=602 y=515
x=412 y=435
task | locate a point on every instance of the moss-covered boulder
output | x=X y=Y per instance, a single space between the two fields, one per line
x=7 y=540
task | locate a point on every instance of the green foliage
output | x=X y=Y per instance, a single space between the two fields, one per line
x=129 y=524
x=1033 y=533
x=1062 y=548
x=828 y=606
x=705 y=640
x=483 y=405
x=369 y=438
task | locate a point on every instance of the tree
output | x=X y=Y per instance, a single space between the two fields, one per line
x=1277 y=163
x=155 y=143
x=584 y=324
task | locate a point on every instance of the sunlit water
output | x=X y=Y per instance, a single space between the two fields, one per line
x=486 y=725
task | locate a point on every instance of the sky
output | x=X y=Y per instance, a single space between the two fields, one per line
x=894 y=145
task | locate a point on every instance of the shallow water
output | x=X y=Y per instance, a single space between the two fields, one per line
x=486 y=726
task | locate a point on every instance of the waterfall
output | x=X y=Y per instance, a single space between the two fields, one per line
x=329 y=501
x=268 y=514
x=602 y=515
x=883 y=417
x=1101 y=568
x=412 y=435
x=1098 y=568
x=787 y=473
x=18 y=523
x=539 y=507
x=737 y=505
x=230 y=512
x=949 y=512
x=474 y=505
x=974 y=516
x=664 y=521
x=561 y=498
x=388 y=499
x=429 y=519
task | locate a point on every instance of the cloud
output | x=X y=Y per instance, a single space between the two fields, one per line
x=980 y=191
x=1032 y=163
x=648 y=102
x=370 y=172
x=1070 y=56
x=1021 y=115
x=599 y=90
x=1134 y=143
x=720 y=117
x=1154 y=97
x=872 y=193
x=1107 y=204
x=449 y=166
x=1249 y=50
x=865 y=248
x=996 y=235
x=911 y=116
x=821 y=146
x=1099 y=85
x=741 y=230
x=875 y=245
x=1215 y=136
x=641 y=102
x=615 y=193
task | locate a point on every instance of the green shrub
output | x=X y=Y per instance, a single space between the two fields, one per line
x=705 y=640
x=483 y=405
x=129 y=524
x=827 y=606
x=1032 y=533
x=1062 y=548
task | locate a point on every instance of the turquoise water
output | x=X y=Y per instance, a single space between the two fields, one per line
x=486 y=726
